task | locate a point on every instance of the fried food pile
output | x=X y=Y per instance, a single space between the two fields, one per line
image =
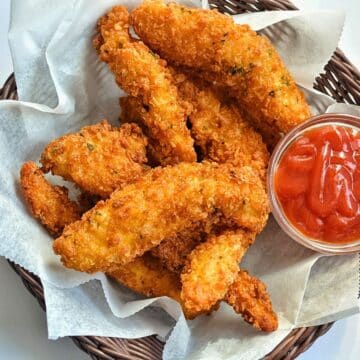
x=233 y=56
x=172 y=199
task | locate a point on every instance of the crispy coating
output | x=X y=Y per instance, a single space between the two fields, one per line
x=173 y=251
x=99 y=158
x=221 y=129
x=248 y=296
x=134 y=111
x=218 y=128
x=269 y=134
x=221 y=134
x=143 y=74
x=147 y=276
x=162 y=203
x=232 y=55
x=48 y=203
x=211 y=268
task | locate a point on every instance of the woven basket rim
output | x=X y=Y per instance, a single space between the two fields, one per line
x=341 y=80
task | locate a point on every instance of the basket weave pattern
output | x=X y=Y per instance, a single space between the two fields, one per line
x=341 y=80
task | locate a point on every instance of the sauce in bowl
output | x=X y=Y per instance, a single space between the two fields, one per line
x=315 y=182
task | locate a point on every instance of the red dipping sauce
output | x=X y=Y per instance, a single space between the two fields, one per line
x=317 y=183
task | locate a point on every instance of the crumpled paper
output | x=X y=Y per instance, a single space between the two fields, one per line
x=63 y=86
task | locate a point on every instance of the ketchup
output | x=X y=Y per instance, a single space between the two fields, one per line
x=317 y=183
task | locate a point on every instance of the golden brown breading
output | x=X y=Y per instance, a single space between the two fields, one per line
x=134 y=111
x=218 y=128
x=211 y=268
x=232 y=55
x=143 y=74
x=99 y=158
x=48 y=203
x=165 y=201
x=248 y=296
x=173 y=251
x=270 y=136
x=147 y=276
x=177 y=31
x=221 y=134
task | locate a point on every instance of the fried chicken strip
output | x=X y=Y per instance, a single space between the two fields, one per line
x=212 y=274
x=147 y=276
x=48 y=203
x=162 y=203
x=233 y=56
x=270 y=135
x=143 y=74
x=223 y=136
x=51 y=205
x=211 y=268
x=220 y=132
x=248 y=296
x=99 y=159
x=219 y=129
x=134 y=111
x=173 y=251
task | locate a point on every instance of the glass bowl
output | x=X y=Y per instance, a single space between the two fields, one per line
x=276 y=208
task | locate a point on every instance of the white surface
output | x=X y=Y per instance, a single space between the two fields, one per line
x=21 y=317
x=23 y=334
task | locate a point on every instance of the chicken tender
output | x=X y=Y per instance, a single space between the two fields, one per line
x=147 y=276
x=134 y=111
x=270 y=135
x=48 y=203
x=248 y=296
x=144 y=75
x=99 y=159
x=219 y=129
x=173 y=251
x=234 y=56
x=161 y=204
x=221 y=134
x=211 y=268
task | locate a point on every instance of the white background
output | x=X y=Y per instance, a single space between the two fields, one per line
x=23 y=334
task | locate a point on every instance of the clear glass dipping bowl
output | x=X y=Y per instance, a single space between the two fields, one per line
x=314 y=244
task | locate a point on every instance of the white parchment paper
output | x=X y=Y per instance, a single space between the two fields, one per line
x=62 y=87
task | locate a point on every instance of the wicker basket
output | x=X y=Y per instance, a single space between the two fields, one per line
x=341 y=80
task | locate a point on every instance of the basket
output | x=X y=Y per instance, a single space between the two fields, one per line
x=340 y=80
